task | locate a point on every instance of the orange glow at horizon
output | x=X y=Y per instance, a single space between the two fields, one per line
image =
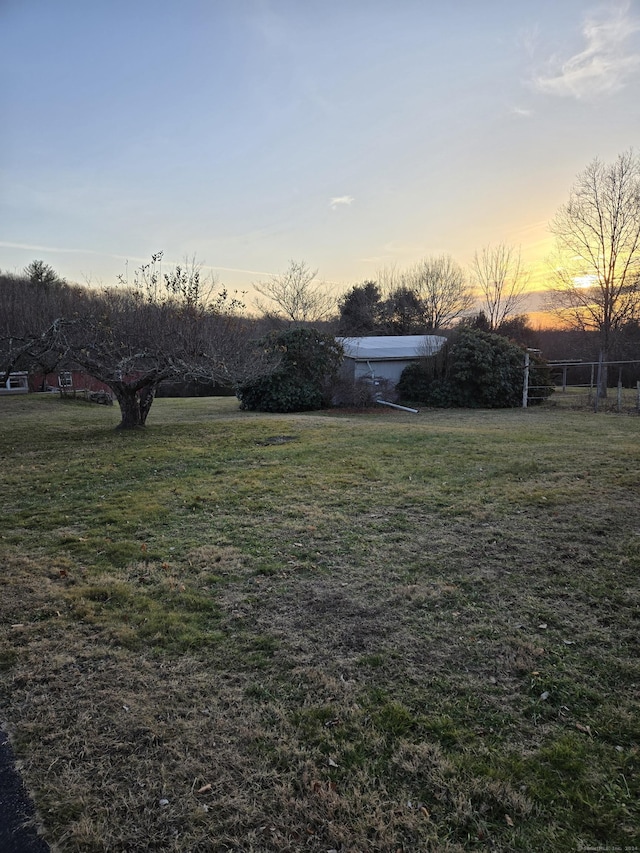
x=544 y=321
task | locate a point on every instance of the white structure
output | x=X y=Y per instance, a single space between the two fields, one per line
x=383 y=358
x=17 y=383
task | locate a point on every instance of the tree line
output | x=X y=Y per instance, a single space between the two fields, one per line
x=433 y=294
x=180 y=324
x=161 y=326
x=594 y=278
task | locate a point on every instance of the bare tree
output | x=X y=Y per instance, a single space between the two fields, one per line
x=441 y=287
x=431 y=295
x=389 y=279
x=598 y=252
x=296 y=295
x=175 y=326
x=133 y=338
x=502 y=280
x=29 y=306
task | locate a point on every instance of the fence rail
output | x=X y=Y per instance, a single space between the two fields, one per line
x=622 y=399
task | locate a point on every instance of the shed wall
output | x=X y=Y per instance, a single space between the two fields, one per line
x=389 y=370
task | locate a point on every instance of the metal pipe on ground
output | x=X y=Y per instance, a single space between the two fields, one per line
x=396 y=406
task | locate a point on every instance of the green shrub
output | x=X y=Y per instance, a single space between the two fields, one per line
x=415 y=382
x=478 y=370
x=280 y=392
x=486 y=370
x=309 y=363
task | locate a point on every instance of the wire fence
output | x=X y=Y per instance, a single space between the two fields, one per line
x=576 y=386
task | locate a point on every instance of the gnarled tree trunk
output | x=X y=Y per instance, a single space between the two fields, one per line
x=134 y=403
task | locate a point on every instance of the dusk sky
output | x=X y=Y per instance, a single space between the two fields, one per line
x=351 y=134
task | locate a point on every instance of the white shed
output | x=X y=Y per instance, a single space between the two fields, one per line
x=385 y=357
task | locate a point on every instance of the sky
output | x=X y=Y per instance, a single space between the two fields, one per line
x=353 y=135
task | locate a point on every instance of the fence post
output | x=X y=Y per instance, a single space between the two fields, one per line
x=599 y=379
x=525 y=386
x=638 y=396
x=620 y=390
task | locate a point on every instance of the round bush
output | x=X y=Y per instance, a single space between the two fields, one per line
x=308 y=364
x=479 y=370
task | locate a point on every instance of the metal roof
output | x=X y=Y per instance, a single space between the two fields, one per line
x=391 y=346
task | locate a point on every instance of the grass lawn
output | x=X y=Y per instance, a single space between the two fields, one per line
x=384 y=632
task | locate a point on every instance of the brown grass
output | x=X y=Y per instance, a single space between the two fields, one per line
x=337 y=642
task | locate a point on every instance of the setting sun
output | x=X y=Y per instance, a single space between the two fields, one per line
x=585 y=281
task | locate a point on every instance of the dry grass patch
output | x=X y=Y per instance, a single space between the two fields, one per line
x=386 y=634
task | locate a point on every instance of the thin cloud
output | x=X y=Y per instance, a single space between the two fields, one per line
x=30 y=247
x=605 y=64
x=521 y=111
x=340 y=200
x=37 y=248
